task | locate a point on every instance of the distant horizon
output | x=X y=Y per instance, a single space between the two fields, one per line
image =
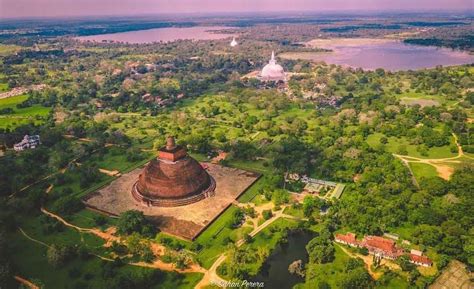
x=54 y=9
x=463 y=12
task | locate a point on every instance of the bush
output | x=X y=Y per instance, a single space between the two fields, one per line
x=58 y=255
x=134 y=221
x=100 y=220
x=236 y=219
x=67 y=205
x=267 y=214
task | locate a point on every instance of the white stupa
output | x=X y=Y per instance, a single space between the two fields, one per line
x=233 y=43
x=273 y=71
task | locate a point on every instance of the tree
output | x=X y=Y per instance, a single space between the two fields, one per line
x=324 y=285
x=292 y=155
x=58 y=255
x=320 y=249
x=5 y=273
x=134 y=221
x=267 y=214
x=236 y=219
x=308 y=205
x=68 y=205
x=355 y=279
x=405 y=264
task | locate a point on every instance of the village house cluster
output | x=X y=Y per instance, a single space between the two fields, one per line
x=28 y=142
x=383 y=248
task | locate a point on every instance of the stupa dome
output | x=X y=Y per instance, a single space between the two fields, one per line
x=233 y=42
x=273 y=71
x=173 y=179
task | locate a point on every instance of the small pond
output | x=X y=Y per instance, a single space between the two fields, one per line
x=275 y=273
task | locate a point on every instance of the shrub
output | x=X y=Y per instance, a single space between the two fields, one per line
x=267 y=214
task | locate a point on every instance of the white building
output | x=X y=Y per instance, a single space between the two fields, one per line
x=273 y=71
x=233 y=43
x=28 y=142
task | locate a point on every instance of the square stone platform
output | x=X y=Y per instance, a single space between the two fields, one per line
x=185 y=221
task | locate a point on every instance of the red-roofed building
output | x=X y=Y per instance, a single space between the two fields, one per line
x=420 y=260
x=348 y=239
x=379 y=246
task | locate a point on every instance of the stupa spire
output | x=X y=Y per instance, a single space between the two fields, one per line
x=272 y=60
x=170 y=143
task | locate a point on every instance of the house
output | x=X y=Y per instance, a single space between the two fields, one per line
x=420 y=260
x=382 y=247
x=347 y=239
x=28 y=142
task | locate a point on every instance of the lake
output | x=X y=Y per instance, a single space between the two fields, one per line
x=389 y=54
x=162 y=34
x=275 y=270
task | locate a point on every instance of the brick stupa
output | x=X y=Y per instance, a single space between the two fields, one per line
x=173 y=179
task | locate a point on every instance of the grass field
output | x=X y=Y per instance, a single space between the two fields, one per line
x=423 y=170
x=214 y=238
x=20 y=116
x=3 y=86
x=394 y=143
x=115 y=158
x=294 y=212
x=30 y=260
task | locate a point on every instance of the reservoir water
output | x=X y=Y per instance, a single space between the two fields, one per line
x=391 y=55
x=162 y=34
x=275 y=270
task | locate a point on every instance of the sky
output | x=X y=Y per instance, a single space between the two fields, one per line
x=64 y=8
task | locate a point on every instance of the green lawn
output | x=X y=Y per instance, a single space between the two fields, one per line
x=35 y=113
x=115 y=158
x=251 y=192
x=85 y=219
x=3 y=87
x=213 y=238
x=294 y=212
x=30 y=259
x=394 y=143
x=423 y=170
x=12 y=101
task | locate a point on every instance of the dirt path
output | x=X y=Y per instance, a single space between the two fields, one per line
x=32 y=239
x=444 y=171
x=26 y=282
x=113 y=173
x=110 y=237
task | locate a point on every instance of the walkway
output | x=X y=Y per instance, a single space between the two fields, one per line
x=211 y=276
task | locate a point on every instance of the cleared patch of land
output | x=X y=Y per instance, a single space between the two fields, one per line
x=420 y=101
